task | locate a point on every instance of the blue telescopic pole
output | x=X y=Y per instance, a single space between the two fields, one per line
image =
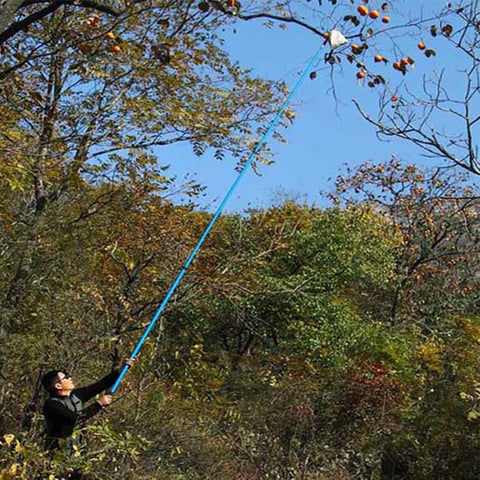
x=219 y=211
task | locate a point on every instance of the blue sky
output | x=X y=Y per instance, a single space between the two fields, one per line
x=326 y=135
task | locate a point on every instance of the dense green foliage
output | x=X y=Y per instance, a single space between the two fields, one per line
x=279 y=356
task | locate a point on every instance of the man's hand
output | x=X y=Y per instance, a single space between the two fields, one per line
x=105 y=400
x=130 y=361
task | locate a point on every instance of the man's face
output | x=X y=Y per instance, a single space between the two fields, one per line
x=64 y=382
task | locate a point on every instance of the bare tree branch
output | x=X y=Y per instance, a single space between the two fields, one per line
x=13 y=7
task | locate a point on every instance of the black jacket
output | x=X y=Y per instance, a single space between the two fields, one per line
x=63 y=413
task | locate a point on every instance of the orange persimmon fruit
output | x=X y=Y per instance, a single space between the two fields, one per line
x=362 y=10
x=356 y=48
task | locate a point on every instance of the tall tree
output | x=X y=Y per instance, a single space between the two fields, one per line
x=90 y=103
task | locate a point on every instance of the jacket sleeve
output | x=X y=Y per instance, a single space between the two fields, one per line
x=62 y=420
x=86 y=393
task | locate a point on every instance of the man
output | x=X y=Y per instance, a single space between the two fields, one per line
x=65 y=409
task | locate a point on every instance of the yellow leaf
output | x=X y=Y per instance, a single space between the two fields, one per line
x=473 y=415
x=9 y=438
